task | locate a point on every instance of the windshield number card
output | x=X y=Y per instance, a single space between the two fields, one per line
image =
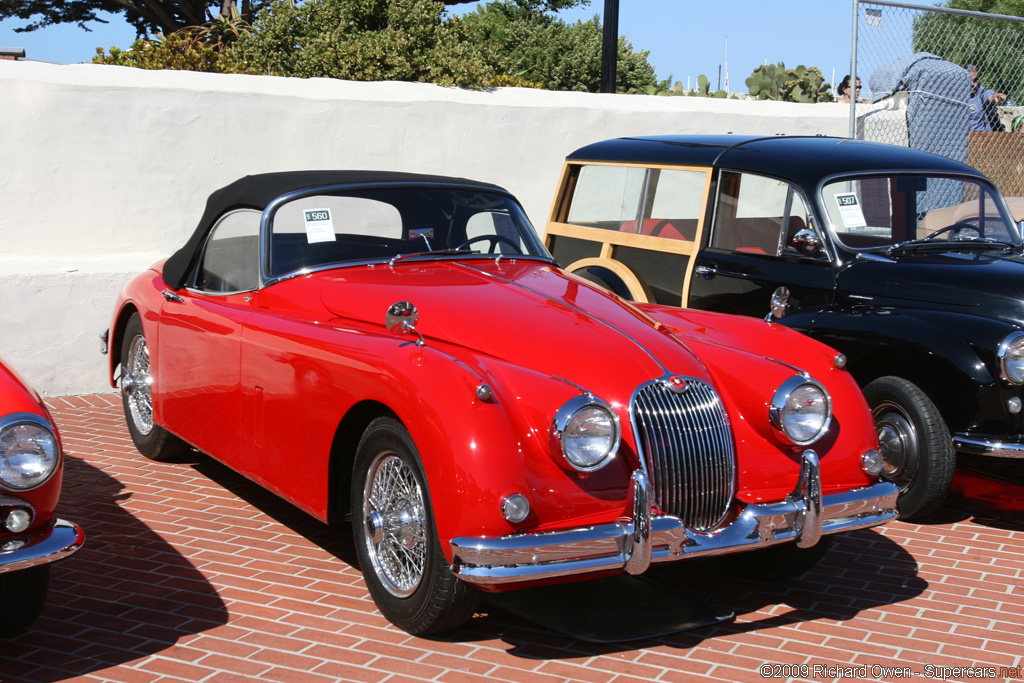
x=849 y=210
x=319 y=226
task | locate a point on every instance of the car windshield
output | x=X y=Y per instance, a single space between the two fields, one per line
x=904 y=210
x=325 y=227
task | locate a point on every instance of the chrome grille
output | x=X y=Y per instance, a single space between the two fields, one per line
x=685 y=440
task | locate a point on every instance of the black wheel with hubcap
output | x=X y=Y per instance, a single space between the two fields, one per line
x=396 y=539
x=917 y=450
x=152 y=440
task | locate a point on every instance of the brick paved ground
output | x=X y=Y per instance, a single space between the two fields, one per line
x=190 y=573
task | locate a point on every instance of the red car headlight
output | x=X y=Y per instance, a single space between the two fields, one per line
x=801 y=410
x=29 y=451
x=586 y=432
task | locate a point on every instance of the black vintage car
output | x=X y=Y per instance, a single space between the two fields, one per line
x=908 y=263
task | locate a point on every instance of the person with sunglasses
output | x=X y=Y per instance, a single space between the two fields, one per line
x=844 y=89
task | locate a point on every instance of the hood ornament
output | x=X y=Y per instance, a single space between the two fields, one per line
x=676 y=384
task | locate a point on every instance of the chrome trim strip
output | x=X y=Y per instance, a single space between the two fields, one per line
x=988 y=445
x=595 y=318
x=515 y=558
x=42 y=547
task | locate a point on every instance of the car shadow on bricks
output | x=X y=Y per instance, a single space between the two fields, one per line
x=126 y=594
x=862 y=570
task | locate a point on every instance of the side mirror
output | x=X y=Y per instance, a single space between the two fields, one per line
x=401 y=320
x=779 y=304
x=806 y=242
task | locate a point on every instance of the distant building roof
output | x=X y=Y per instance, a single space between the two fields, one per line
x=12 y=53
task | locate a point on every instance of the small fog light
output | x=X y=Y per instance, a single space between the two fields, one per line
x=515 y=508
x=871 y=463
x=1013 y=405
x=17 y=520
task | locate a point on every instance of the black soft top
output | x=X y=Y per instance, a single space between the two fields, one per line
x=258 y=191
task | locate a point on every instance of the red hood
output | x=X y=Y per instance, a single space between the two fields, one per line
x=527 y=314
x=16 y=396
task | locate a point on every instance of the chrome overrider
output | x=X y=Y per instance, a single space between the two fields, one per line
x=31 y=549
x=634 y=542
x=991 y=446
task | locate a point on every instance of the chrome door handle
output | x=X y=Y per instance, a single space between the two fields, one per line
x=171 y=296
x=707 y=271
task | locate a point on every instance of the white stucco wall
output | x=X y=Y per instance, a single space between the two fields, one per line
x=105 y=169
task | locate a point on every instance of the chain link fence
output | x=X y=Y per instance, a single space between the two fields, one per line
x=945 y=81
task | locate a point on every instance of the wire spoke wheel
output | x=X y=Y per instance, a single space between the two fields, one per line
x=396 y=535
x=136 y=381
x=394 y=514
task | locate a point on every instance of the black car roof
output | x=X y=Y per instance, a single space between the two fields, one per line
x=803 y=160
x=259 y=191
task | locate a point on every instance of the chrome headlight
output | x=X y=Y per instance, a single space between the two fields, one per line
x=1011 y=357
x=586 y=432
x=29 y=451
x=801 y=410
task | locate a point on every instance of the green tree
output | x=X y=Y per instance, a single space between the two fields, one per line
x=994 y=46
x=208 y=48
x=523 y=38
x=151 y=17
x=367 y=40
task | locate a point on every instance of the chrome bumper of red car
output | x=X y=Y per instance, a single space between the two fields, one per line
x=634 y=542
x=40 y=547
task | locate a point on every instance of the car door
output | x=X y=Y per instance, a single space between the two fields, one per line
x=762 y=237
x=198 y=395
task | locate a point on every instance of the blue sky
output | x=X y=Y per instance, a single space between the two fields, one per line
x=685 y=37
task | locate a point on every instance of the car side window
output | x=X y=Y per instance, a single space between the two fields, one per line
x=644 y=201
x=757 y=214
x=230 y=261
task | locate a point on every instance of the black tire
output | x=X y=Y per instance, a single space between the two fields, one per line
x=152 y=440
x=396 y=539
x=22 y=596
x=916 y=446
x=778 y=562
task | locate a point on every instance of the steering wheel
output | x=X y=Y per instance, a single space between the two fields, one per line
x=494 y=240
x=954 y=230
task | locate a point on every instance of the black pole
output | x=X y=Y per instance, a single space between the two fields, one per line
x=610 y=45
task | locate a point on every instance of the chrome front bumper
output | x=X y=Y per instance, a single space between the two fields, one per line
x=634 y=542
x=40 y=547
x=996 y=447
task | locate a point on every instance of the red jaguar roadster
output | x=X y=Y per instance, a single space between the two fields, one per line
x=402 y=350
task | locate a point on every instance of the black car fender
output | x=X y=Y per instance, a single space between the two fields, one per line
x=952 y=357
